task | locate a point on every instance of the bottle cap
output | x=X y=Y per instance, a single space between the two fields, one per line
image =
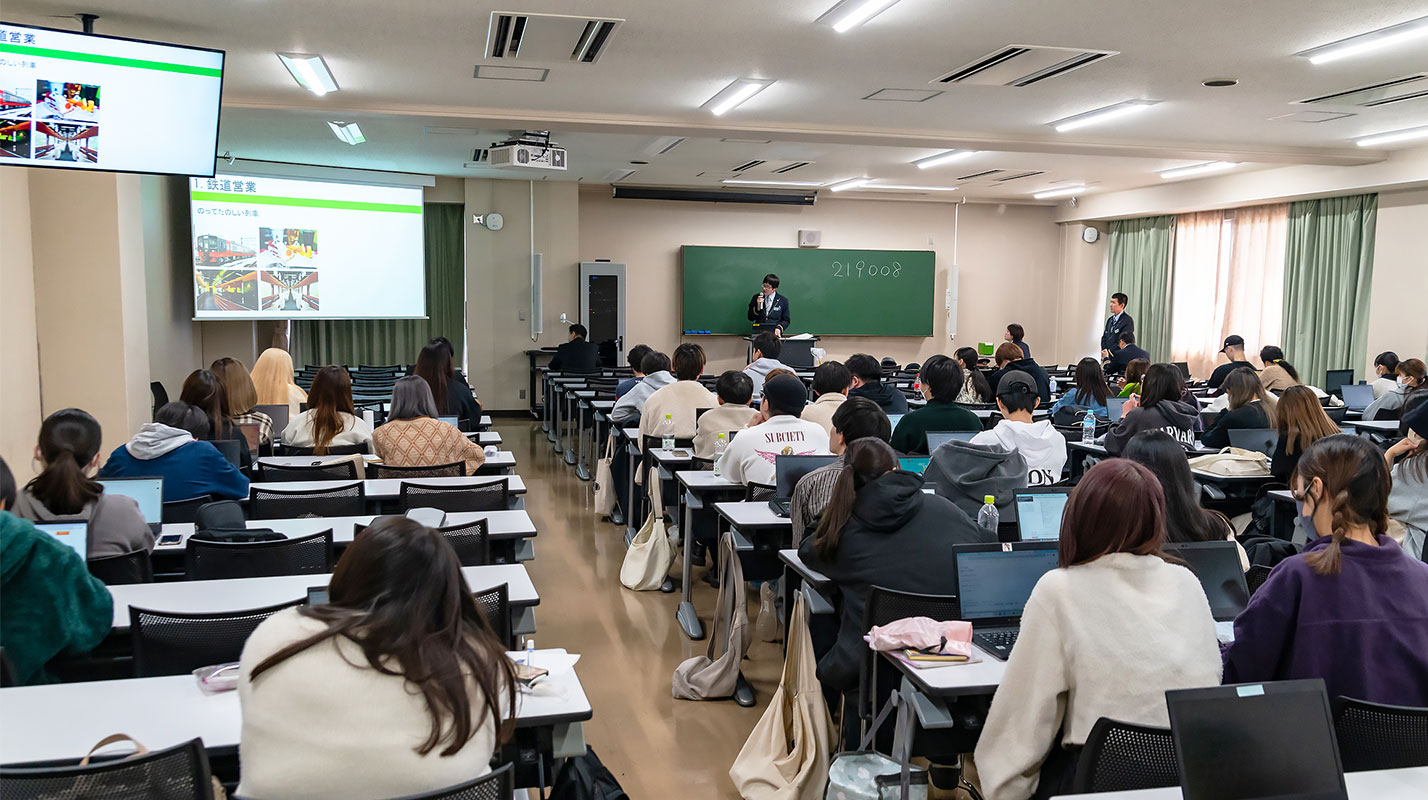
x=719 y=435
x=669 y=416
x=989 y=500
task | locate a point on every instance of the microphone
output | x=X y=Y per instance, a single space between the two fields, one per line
x=761 y=300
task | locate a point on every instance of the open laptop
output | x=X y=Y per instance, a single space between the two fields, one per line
x=1115 y=408
x=1038 y=512
x=788 y=471
x=147 y=492
x=1184 y=367
x=1357 y=396
x=1336 y=379
x=1217 y=565
x=455 y=421
x=252 y=434
x=232 y=449
x=993 y=583
x=74 y=533
x=915 y=464
x=1257 y=741
x=937 y=439
x=1260 y=440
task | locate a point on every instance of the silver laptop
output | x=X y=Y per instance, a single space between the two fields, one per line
x=147 y=492
x=74 y=534
x=936 y=440
x=453 y=420
x=1260 y=440
x=1115 y=407
x=1357 y=396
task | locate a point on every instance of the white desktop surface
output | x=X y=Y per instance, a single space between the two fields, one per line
x=509 y=524
x=751 y=514
x=502 y=458
x=807 y=573
x=485 y=438
x=978 y=677
x=667 y=458
x=1388 y=784
x=699 y=479
x=1375 y=425
x=391 y=488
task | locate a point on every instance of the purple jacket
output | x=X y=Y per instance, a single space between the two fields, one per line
x=1364 y=630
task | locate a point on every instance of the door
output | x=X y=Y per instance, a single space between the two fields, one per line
x=602 y=308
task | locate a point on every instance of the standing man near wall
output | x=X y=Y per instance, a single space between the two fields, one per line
x=1118 y=323
x=768 y=309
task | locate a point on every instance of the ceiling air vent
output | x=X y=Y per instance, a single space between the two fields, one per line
x=985 y=174
x=1397 y=90
x=791 y=167
x=548 y=37
x=1016 y=176
x=747 y=165
x=1023 y=65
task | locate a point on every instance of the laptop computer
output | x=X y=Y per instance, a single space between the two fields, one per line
x=1184 y=367
x=1217 y=565
x=147 y=492
x=917 y=464
x=1256 y=741
x=788 y=471
x=1261 y=440
x=936 y=440
x=278 y=413
x=73 y=533
x=1115 y=408
x=993 y=583
x=1336 y=379
x=1357 y=396
x=252 y=434
x=232 y=449
x=455 y=421
x=1038 y=512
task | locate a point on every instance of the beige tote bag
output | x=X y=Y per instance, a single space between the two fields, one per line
x=651 y=553
x=710 y=676
x=786 y=756
x=1232 y=462
x=605 y=481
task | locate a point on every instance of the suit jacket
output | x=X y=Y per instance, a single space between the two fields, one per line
x=774 y=312
x=1122 y=357
x=576 y=356
x=1111 y=338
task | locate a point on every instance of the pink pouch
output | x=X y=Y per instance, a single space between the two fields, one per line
x=923 y=634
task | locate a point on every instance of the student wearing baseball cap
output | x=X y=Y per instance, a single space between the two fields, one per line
x=1043 y=447
x=1234 y=350
x=777 y=430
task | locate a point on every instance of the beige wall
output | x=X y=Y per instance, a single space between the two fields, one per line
x=20 y=367
x=1397 y=320
x=1081 y=304
x=175 y=340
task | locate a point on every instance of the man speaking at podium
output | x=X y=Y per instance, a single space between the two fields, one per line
x=768 y=310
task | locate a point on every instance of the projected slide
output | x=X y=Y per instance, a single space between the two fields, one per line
x=96 y=102
x=266 y=248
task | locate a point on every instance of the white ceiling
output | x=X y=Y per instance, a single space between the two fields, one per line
x=404 y=66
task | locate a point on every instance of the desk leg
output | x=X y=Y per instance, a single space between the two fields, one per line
x=573 y=426
x=545 y=411
x=688 y=620
x=902 y=738
x=581 y=470
x=632 y=520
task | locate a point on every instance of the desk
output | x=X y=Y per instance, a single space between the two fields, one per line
x=1078 y=451
x=485 y=438
x=391 y=488
x=502 y=463
x=1286 y=508
x=1386 y=427
x=1388 y=784
x=697 y=485
x=534 y=357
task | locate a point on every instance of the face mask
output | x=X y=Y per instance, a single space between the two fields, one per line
x=1403 y=382
x=1306 y=521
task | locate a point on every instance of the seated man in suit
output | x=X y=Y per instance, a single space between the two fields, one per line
x=576 y=355
x=1126 y=353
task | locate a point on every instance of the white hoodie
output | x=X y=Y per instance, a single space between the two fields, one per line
x=1043 y=447
x=750 y=456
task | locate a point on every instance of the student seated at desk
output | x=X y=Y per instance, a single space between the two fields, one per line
x=203 y=389
x=68 y=453
x=170 y=447
x=766 y=350
x=1278 y=374
x=734 y=390
x=49 y=603
x=1104 y=635
x=1301 y=421
x=1135 y=373
x=831 y=382
x=1128 y=351
x=1160 y=407
x=975 y=388
x=1090 y=392
x=1249 y=407
x=941 y=378
x=859 y=418
x=776 y=431
x=1412 y=380
x=1009 y=359
x=628 y=409
x=1352 y=609
x=329 y=420
x=680 y=399
x=1185 y=519
x=1385 y=366
x=635 y=358
x=414 y=437
x=273 y=381
x=1408 y=501
x=868 y=382
x=242 y=397
x=1234 y=350
x=880 y=529
x=397 y=686
x=1043 y=447
x=578 y=354
x=450 y=392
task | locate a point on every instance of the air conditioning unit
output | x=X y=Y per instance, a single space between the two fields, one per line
x=528 y=156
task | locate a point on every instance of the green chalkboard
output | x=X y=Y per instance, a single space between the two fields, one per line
x=830 y=292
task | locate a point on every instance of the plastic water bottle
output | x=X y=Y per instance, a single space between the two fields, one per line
x=666 y=432
x=1088 y=428
x=988 y=517
x=721 y=443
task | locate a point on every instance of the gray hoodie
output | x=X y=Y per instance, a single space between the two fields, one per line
x=155 y=439
x=1408 y=503
x=116 y=526
x=627 y=409
x=966 y=473
x=759 y=370
x=1172 y=416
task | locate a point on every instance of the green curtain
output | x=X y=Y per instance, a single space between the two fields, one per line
x=1328 y=266
x=398 y=341
x=1139 y=266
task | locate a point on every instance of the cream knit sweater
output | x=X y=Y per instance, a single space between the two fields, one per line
x=1104 y=639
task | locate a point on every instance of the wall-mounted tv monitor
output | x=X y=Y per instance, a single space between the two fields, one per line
x=294 y=248
x=82 y=101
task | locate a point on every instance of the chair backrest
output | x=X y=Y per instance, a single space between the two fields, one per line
x=131 y=567
x=497 y=785
x=175 y=643
x=706 y=464
x=1379 y=736
x=1120 y=757
x=471 y=541
x=209 y=561
x=456 y=469
x=159 y=393
x=1256 y=576
x=495 y=603
x=492 y=496
x=7 y=672
x=335 y=450
x=184 y=510
x=339 y=471
x=340 y=501
x=221 y=515
x=887 y=605
x=180 y=772
x=758 y=491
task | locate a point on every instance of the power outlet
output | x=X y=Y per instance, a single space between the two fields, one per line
x=523 y=394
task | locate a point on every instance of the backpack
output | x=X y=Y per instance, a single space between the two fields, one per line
x=223 y=521
x=585 y=778
x=1267 y=551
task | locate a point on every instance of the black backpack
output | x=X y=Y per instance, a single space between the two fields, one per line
x=585 y=778
x=223 y=521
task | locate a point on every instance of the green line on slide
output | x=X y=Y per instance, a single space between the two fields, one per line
x=117 y=61
x=304 y=202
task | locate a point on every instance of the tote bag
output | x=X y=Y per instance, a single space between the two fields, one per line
x=711 y=676
x=651 y=553
x=605 y=481
x=786 y=756
x=1233 y=461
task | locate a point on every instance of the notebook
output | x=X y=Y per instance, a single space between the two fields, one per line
x=73 y=533
x=1357 y=396
x=147 y=492
x=788 y=471
x=936 y=440
x=1038 y=512
x=1217 y=565
x=993 y=583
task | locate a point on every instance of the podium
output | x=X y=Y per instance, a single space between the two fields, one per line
x=795 y=352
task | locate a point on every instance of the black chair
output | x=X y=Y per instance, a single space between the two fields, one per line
x=1121 y=757
x=176 y=643
x=888 y=605
x=455 y=469
x=131 y=567
x=705 y=464
x=758 y=491
x=180 y=772
x=1379 y=736
x=183 y=510
x=1256 y=576
x=340 y=501
x=492 y=496
x=274 y=473
x=471 y=541
x=495 y=604
x=336 y=450
x=160 y=395
x=210 y=561
x=497 y=785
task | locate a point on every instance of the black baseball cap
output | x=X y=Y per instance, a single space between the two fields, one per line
x=1016 y=382
x=1233 y=340
x=786 y=395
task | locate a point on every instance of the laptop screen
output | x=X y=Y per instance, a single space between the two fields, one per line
x=1114 y=407
x=789 y=470
x=73 y=534
x=936 y=440
x=278 y=414
x=452 y=420
x=1217 y=565
x=997 y=583
x=1260 y=440
x=1038 y=514
x=1335 y=379
x=1357 y=396
x=914 y=464
x=893 y=419
x=147 y=492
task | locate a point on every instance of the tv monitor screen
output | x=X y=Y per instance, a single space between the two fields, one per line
x=81 y=101
x=293 y=248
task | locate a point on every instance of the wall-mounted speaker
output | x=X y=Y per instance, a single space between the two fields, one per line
x=810 y=238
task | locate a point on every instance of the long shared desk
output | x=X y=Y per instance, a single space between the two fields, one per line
x=503 y=462
x=1410 y=783
x=388 y=489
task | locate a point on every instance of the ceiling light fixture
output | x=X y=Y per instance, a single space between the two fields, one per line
x=943 y=158
x=896 y=187
x=1063 y=192
x=851 y=183
x=310 y=71
x=1100 y=115
x=663 y=144
x=733 y=182
x=347 y=132
x=1367 y=42
x=736 y=93
x=852 y=13
x=1393 y=137
x=617 y=175
x=1198 y=169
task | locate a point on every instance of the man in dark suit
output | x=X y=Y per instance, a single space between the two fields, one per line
x=768 y=309
x=1119 y=322
x=576 y=355
x=1127 y=353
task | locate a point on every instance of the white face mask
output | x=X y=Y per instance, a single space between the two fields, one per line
x=1403 y=380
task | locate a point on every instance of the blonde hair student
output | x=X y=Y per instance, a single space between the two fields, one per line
x=273 y=381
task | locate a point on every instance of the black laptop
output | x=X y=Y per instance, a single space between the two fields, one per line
x=788 y=471
x=1217 y=565
x=993 y=583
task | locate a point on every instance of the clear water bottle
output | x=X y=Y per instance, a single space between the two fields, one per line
x=1088 y=428
x=721 y=443
x=665 y=431
x=988 y=517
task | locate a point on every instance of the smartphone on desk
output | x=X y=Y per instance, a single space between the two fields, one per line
x=170 y=539
x=680 y=453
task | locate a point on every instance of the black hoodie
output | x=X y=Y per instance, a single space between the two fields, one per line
x=1030 y=367
x=898 y=538
x=1172 y=416
x=889 y=398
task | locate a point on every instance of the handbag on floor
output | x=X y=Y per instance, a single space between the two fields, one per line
x=710 y=676
x=786 y=756
x=871 y=776
x=586 y=778
x=650 y=555
x=605 y=481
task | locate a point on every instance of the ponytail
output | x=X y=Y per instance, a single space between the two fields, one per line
x=865 y=460
x=69 y=440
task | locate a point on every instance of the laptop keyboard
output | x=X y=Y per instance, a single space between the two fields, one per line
x=779 y=507
x=998 y=644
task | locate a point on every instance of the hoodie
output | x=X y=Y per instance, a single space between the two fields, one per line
x=49 y=603
x=889 y=398
x=1408 y=503
x=627 y=410
x=1043 y=447
x=1030 y=367
x=681 y=400
x=759 y=370
x=966 y=473
x=1172 y=416
x=116 y=525
x=750 y=457
x=897 y=538
x=189 y=468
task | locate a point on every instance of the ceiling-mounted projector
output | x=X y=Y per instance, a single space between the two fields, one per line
x=528 y=150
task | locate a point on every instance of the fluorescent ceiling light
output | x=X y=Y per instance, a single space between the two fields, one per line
x=1063 y=192
x=943 y=158
x=1199 y=169
x=904 y=188
x=1367 y=42
x=1101 y=115
x=734 y=94
x=852 y=13
x=310 y=72
x=1393 y=137
x=733 y=182
x=347 y=132
x=851 y=183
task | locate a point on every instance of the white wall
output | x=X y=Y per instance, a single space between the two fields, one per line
x=1398 y=321
x=20 y=367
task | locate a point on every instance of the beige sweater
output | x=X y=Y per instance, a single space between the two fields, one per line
x=719 y=420
x=1104 y=639
x=679 y=400
x=821 y=410
x=355 y=430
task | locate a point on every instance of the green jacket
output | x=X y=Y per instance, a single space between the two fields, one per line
x=937 y=417
x=49 y=603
